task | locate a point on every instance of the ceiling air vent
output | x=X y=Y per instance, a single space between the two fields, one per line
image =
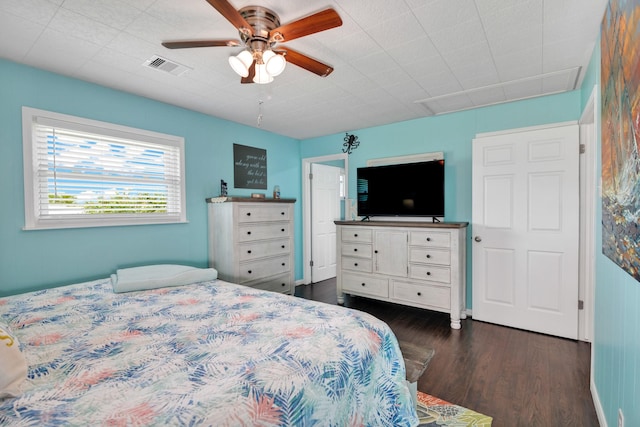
x=159 y=63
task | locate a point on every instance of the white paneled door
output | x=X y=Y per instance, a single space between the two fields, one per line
x=325 y=208
x=525 y=229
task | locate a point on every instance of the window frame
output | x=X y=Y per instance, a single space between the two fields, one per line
x=33 y=218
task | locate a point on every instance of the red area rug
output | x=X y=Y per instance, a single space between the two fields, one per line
x=437 y=412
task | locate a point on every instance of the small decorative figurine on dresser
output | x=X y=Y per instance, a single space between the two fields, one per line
x=223 y=188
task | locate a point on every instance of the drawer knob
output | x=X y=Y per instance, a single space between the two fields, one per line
x=282 y=246
x=428 y=273
x=282 y=229
x=355 y=235
x=249 y=271
x=419 y=294
x=355 y=264
x=355 y=249
x=428 y=256
x=428 y=239
x=248 y=232
x=284 y=284
x=281 y=213
x=249 y=251
x=283 y=263
x=363 y=284
x=376 y=251
x=248 y=213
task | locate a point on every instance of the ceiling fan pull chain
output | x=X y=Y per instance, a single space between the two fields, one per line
x=260 y=112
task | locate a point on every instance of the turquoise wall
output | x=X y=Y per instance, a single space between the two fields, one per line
x=452 y=134
x=35 y=259
x=616 y=346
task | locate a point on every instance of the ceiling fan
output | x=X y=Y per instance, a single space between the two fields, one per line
x=260 y=31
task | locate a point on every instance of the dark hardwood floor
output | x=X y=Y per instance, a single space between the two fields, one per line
x=519 y=378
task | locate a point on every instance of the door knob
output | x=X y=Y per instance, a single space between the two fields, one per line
x=478 y=239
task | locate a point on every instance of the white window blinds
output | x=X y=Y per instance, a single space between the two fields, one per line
x=86 y=173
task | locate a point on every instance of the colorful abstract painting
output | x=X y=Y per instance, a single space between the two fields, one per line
x=620 y=85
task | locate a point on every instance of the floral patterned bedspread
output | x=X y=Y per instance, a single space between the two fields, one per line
x=212 y=353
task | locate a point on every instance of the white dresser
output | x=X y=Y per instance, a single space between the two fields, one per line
x=421 y=264
x=251 y=241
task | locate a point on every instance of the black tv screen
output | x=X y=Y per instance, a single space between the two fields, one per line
x=408 y=189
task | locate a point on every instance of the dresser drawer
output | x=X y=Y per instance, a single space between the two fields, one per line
x=356 y=234
x=430 y=256
x=280 y=284
x=250 y=232
x=375 y=286
x=259 y=213
x=430 y=238
x=430 y=272
x=360 y=250
x=261 y=249
x=254 y=270
x=430 y=296
x=357 y=264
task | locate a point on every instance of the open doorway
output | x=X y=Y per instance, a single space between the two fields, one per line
x=324 y=193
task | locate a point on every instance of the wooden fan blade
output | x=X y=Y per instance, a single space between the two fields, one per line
x=232 y=15
x=315 y=23
x=200 y=43
x=252 y=73
x=303 y=61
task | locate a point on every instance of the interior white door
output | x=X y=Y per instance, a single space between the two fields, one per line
x=325 y=208
x=525 y=227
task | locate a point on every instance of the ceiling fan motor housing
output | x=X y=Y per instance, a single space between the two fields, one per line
x=263 y=21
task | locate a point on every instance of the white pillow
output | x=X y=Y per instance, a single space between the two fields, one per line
x=159 y=276
x=13 y=365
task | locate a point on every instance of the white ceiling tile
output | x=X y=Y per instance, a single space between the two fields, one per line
x=396 y=30
x=409 y=51
x=114 y=13
x=376 y=62
x=81 y=27
x=458 y=37
x=521 y=64
x=354 y=46
x=38 y=11
x=472 y=53
x=482 y=73
x=52 y=51
x=512 y=27
x=193 y=19
x=372 y=12
x=439 y=15
x=405 y=90
x=17 y=35
x=386 y=55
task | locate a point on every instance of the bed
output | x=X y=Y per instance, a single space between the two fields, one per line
x=208 y=353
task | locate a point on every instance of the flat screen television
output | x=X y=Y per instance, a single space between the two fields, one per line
x=407 y=189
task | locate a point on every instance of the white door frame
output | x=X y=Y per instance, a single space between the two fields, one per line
x=306 y=206
x=589 y=183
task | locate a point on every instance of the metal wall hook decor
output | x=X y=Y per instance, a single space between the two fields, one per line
x=350 y=143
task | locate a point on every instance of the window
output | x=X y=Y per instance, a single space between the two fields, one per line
x=85 y=173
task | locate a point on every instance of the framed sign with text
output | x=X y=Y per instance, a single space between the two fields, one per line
x=249 y=167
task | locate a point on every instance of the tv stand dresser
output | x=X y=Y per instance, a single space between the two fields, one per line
x=419 y=264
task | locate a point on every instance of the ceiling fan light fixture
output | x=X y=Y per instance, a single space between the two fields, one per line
x=241 y=63
x=275 y=63
x=262 y=76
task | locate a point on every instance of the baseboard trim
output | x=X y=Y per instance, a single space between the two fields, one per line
x=597 y=404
